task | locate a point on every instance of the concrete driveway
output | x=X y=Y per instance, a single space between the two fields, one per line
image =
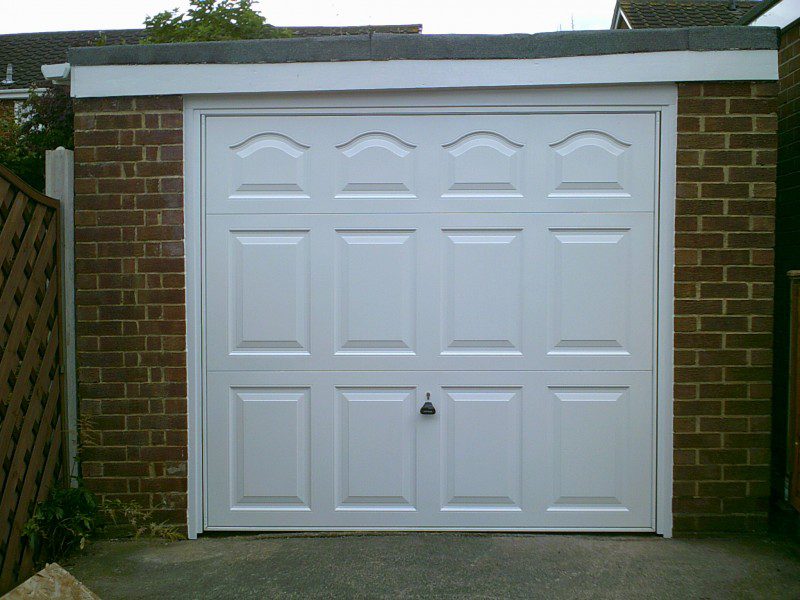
x=436 y=565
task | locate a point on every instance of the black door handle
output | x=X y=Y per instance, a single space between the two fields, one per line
x=428 y=408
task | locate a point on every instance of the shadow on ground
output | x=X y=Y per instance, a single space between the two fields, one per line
x=422 y=565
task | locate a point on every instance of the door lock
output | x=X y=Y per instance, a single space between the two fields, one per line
x=428 y=408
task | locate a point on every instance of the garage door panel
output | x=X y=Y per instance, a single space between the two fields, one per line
x=376 y=449
x=590 y=164
x=376 y=291
x=482 y=284
x=377 y=165
x=263 y=456
x=588 y=466
x=271 y=447
x=481 y=448
x=596 y=260
x=597 y=163
x=501 y=265
x=430 y=163
x=268 y=166
x=472 y=291
x=505 y=449
x=596 y=288
x=597 y=447
x=270 y=304
x=260 y=303
x=482 y=164
x=255 y=165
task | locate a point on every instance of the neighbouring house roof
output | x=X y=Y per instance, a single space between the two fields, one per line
x=384 y=47
x=27 y=52
x=652 y=14
x=756 y=11
x=773 y=13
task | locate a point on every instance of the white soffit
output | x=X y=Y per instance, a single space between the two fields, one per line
x=646 y=67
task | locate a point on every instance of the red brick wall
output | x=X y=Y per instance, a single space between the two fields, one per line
x=131 y=313
x=130 y=298
x=723 y=305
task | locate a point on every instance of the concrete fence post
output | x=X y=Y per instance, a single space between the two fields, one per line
x=59 y=169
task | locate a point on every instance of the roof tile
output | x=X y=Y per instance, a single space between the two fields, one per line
x=650 y=14
x=27 y=52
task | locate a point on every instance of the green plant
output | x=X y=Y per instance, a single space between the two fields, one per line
x=70 y=516
x=140 y=520
x=210 y=20
x=114 y=511
x=43 y=122
x=63 y=522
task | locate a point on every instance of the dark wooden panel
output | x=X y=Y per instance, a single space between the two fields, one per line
x=32 y=448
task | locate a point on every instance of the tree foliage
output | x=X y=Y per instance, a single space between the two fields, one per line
x=208 y=21
x=43 y=122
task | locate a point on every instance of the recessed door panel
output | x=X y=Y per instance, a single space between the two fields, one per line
x=589 y=465
x=597 y=163
x=376 y=292
x=269 y=292
x=481 y=449
x=376 y=164
x=595 y=291
x=597 y=322
x=483 y=164
x=590 y=163
x=268 y=166
x=596 y=433
x=376 y=449
x=270 y=453
x=482 y=291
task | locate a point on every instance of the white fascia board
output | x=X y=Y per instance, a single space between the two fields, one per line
x=782 y=14
x=649 y=67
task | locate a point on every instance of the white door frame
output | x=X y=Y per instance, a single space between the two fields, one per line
x=660 y=99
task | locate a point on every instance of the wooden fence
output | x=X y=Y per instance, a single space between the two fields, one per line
x=32 y=437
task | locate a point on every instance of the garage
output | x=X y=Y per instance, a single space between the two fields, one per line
x=508 y=283
x=430 y=318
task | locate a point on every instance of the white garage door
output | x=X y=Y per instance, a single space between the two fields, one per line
x=494 y=266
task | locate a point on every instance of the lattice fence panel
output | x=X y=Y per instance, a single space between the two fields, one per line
x=32 y=449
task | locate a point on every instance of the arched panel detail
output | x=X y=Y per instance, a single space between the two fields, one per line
x=269 y=166
x=483 y=138
x=376 y=139
x=483 y=164
x=269 y=140
x=590 y=163
x=376 y=164
x=589 y=137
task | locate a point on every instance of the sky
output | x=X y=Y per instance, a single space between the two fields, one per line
x=436 y=16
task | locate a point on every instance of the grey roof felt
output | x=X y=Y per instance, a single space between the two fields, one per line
x=27 y=52
x=648 y=14
x=434 y=47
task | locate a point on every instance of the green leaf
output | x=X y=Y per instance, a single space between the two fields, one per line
x=210 y=20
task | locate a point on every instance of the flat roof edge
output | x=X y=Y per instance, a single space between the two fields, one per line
x=387 y=47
